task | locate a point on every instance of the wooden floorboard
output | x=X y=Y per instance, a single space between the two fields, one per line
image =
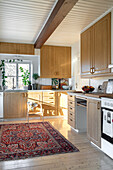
x=89 y=157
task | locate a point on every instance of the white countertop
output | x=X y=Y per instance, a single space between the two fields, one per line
x=22 y=90
x=82 y=95
x=59 y=90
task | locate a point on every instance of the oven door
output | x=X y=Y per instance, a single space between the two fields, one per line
x=107 y=122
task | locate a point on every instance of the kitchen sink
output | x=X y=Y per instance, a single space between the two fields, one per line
x=15 y=90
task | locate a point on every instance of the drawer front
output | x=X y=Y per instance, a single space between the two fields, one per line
x=71 y=103
x=48 y=94
x=71 y=98
x=49 y=100
x=71 y=109
x=71 y=122
x=71 y=115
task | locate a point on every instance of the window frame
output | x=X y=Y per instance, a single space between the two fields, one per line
x=17 y=67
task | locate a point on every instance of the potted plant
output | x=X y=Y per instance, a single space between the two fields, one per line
x=25 y=76
x=2 y=68
x=35 y=77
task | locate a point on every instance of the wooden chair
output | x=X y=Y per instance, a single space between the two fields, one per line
x=35 y=104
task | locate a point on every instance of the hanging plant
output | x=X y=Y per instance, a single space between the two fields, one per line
x=2 y=68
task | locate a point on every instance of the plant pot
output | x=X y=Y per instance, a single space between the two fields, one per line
x=34 y=86
x=29 y=87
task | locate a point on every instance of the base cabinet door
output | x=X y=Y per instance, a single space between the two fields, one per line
x=15 y=105
x=94 y=121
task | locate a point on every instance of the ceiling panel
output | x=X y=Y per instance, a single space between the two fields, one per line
x=21 y=20
x=82 y=14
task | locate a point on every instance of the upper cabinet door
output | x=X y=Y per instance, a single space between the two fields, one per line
x=62 y=62
x=47 y=62
x=96 y=48
x=86 y=51
x=102 y=45
x=55 y=62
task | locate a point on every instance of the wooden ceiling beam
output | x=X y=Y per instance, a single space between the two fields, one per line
x=61 y=9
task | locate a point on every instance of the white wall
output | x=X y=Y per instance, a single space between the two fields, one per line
x=76 y=78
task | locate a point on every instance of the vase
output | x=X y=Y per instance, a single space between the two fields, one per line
x=34 y=86
x=29 y=87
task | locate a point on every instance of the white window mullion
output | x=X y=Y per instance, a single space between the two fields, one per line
x=17 y=75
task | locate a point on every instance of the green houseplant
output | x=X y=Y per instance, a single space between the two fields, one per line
x=25 y=77
x=35 y=77
x=2 y=68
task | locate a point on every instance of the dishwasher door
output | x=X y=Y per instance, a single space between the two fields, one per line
x=1 y=105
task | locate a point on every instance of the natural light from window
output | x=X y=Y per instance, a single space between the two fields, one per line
x=12 y=71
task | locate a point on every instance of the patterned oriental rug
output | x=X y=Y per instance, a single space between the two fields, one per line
x=26 y=140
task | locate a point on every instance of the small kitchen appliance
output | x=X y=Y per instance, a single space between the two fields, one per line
x=107 y=126
x=109 y=86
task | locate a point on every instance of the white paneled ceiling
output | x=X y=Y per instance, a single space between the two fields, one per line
x=21 y=20
x=82 y=14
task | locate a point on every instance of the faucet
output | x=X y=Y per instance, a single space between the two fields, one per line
x=13 y=85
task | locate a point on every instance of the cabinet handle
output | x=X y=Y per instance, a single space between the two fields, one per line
x=93 y=70
x=71 y=114
x=71 y=108
x=51 y=98
x=98 y=105
x=71 y=119
x=70 y=96
x=70 y=102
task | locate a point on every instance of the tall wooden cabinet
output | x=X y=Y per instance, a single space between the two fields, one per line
x=94 y=121
x=15 y=105
x=96 y=48
x=55 y=62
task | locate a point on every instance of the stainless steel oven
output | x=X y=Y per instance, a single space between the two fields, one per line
x=107 y=126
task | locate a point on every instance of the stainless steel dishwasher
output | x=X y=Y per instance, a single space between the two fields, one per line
x=81 y=114
x=1 y=105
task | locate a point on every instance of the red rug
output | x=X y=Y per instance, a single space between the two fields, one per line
x=23 y=140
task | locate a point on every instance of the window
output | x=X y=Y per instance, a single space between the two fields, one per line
x=13 y=73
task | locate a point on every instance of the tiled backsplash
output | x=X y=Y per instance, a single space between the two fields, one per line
x=44 y=81
x=98 y=81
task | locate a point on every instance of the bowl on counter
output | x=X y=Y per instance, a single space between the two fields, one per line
x=88 y=89
x=65 y=87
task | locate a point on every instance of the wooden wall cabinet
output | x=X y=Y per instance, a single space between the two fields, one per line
x=47 y=62
x=87 y=51
x=96 y=48
x=94 y=121
x=55 y=62
x=15 y=105
x=16 y=48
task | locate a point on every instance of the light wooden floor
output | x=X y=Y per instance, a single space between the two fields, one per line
x=89 y=157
